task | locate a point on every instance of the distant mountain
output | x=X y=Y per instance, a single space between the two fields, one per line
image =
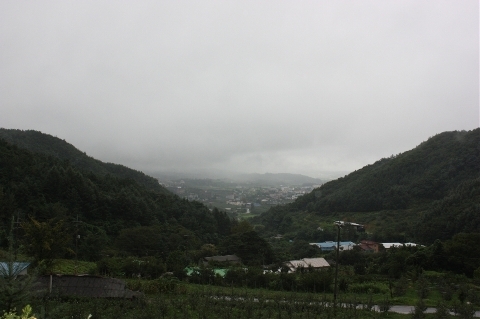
x=38 y=142
x=277 y=179
x=192 y=174
x=429 y=192
x=268 y=179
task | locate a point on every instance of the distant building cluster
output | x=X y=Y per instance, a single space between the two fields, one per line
x=223 y=262
x=238 y=195
x=364 y=245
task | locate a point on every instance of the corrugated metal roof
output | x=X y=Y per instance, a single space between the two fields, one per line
x=316 y=262
x=298 y=263
x=308 y=262
x=12 y=268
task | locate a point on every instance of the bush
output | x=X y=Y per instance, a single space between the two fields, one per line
x=419 y=310
x=160 y=285
x=422 y=287
x=26 y=314
x=316 y=281
x=365 y=288
x=146 y=267
x=110 y=266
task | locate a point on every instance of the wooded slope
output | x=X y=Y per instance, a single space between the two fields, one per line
x=34 y=185
x=38 y=142
x=436 y=184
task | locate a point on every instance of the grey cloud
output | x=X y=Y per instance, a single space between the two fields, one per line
x=282 y=86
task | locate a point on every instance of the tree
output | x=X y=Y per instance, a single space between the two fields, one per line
x=242 y=227
x=91 y=242
x=14 y=289
x=421 y=286
x=176 y=263
x=460 y=250
x=155 y=240
x=45 y=241
x=419 y=310
x=302 y=249
x=441 y=311
x=249 y=246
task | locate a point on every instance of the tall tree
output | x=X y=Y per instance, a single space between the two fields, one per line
x=249 y=246
x=14 y=289
x=45 y=241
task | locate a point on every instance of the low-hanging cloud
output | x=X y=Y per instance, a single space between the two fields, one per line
x=256 y=86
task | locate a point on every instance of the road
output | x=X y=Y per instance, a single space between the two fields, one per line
x=410 y=309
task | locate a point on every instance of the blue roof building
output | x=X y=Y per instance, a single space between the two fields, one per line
x=332 y=245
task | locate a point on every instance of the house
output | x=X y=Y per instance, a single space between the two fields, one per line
x=227 y=259
x=369 y=246
x=13 y=268
x=307 y=263
x=332 y=245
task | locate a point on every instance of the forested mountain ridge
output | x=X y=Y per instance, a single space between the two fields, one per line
x=417 y=185
x=102 y=209
x=38 y=142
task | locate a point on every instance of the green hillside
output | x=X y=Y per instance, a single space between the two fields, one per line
x=38 y=142
x=65 y=200
x=429 y=192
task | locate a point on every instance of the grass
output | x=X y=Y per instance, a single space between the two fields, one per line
x=171 y=298
x=178 y=299
x=288 y=295
x=72 y=267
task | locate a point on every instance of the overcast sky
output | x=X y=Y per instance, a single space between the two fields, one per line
x=253 y=86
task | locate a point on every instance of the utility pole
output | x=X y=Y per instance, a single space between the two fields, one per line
x=340 y=224
x=77 y=237
x=336 y=269
x=16 y=225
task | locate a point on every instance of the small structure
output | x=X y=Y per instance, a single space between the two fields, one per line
x=85 y=286
x=390 y=245
x=227 y=259
x=14 y=268
x=369 y=246
x=307 y=263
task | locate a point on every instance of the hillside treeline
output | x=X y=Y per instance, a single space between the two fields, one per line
x=38 y=142
x=70 y=211
x=433 y=190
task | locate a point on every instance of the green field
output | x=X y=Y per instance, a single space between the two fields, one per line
x=173 y=299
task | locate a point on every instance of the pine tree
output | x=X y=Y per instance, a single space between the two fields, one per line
x=14 y=289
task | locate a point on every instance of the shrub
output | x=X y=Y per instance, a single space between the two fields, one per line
x=419 y=310
x=365 y=288
x=422 y=288
x=110 y=266
x=26 y=314
x=316 y=281
x=159 y=285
